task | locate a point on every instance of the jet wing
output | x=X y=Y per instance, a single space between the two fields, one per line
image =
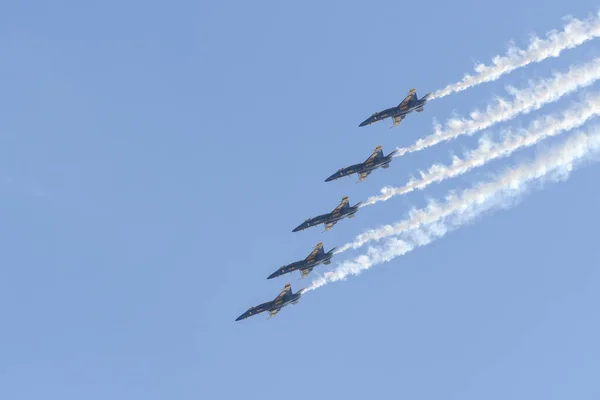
x=305 y=272
x=344 y=203
x=397 y=120
x=273 y=313
x=287 y=289
x=363 y=175
x=378 y=152
x=318 y=249
x=405 y=103
x=329 y=225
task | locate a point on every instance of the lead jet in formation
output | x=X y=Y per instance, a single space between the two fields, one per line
x=285 y=298
x=409 y=104
x=316 y=257
x=342 y=211
x=376 y=160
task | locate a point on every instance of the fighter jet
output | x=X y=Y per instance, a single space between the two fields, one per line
x=316 y=257
x=342 y=211
x=274 y=306
x=409 y=104
x=376 y=160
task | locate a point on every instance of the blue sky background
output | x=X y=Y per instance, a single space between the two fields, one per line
x=154 y=160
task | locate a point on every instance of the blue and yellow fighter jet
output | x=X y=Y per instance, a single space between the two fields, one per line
x=342 y=211
x=376 y=160
x=316 y=257
x=273 y=307
x=409 y=104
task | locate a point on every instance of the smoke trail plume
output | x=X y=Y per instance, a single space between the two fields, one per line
x=524 y=101
x=483 y=192
x=489 y=150
x=575 y=33
x=438 y=218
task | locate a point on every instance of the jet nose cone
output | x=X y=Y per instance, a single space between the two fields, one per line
x=332 y=177
x=273 y=275
x=366 y=122
x=298 y=228
x=241 y=317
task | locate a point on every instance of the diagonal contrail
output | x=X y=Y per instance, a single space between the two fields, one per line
x=574 y=33
x=426 y=225
x=457 y=203
x=524 y=101
x=488 y=150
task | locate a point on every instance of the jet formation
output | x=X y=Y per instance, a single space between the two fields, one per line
x=343 y=210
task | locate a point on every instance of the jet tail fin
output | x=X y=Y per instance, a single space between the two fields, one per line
x=392 y=154
x=357 y=205
x=330 y=254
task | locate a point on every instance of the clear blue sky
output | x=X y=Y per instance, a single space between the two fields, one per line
x=154 y=160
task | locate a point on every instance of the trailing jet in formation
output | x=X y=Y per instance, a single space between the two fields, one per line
x=316 y=257
x=273 y=307
x=376 y=160
x=409 y=104
x=342 y=211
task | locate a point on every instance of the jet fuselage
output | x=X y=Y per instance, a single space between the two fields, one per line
x=393 y=112
x=327 y=218
x=302 y=264
x=359 y=168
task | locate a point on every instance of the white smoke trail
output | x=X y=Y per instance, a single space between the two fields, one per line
x=438 y=218
x=524 y=101
x=489 y=150
x=455 y=203
x=575 y=33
